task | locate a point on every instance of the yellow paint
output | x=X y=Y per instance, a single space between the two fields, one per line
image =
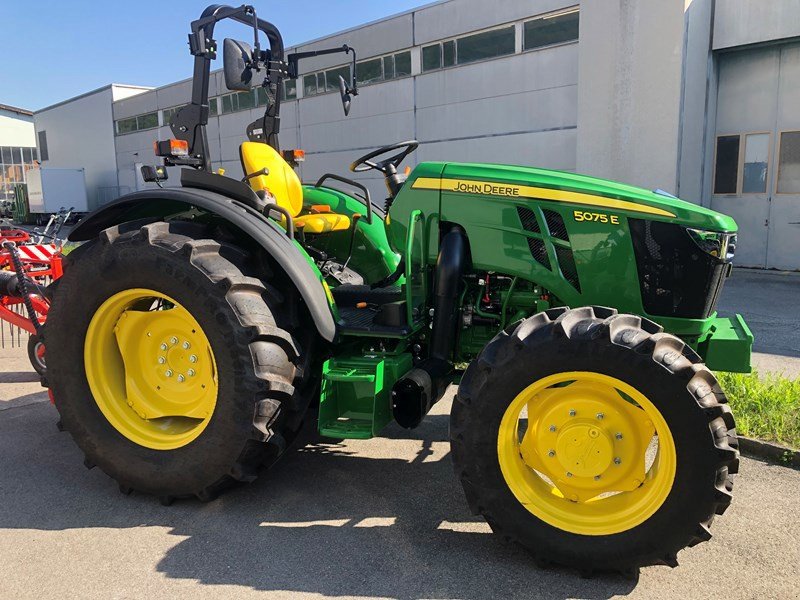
x=590 y=445
x=322 y=222
x=151 y=369
x=508 y=190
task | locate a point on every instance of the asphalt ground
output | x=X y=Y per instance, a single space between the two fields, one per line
x=383 y=518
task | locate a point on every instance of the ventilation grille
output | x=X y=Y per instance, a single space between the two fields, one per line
x=555 y=225
x=568 y=269
x=528 y=219
x=539 y=252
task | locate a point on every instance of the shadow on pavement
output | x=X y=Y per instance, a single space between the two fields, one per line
x=20 y=377
x=324 y=520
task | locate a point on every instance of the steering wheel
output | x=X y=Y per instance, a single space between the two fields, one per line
x=387 y=166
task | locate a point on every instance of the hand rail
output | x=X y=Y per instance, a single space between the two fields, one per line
x=366 y=199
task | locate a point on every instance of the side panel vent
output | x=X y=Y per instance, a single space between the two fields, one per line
x=528 y=219
x=539 y=252
x=567 y=263
x=555 y=225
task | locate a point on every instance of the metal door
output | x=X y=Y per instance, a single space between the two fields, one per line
x=756 y=171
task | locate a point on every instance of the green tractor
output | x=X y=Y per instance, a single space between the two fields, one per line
x=198 y=327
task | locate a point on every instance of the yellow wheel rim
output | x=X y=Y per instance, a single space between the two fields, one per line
x=586 y=453
x=151 y=369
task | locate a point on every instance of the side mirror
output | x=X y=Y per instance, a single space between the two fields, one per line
x=345 y=93
x=237 y=58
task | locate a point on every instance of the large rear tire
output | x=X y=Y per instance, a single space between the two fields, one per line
x=120 y=388
x=550 y=432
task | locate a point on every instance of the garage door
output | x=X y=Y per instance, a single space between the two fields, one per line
x=757 y=153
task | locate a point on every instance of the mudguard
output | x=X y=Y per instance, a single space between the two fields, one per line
x=161 y=203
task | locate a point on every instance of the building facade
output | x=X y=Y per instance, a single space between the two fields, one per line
x=17 y=148
x=696 y=97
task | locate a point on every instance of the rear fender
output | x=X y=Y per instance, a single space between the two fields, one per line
x=162 y=203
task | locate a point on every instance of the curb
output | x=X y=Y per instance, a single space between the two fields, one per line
x=775 y=453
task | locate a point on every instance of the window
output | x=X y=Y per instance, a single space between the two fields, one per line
x=309 y=85
x=756 y=159
x=125 y=125
x=388 y=67
x=551 y=29
x=480 y=46
x=43 y=145
x=13 y=174
x=789 y=163
x=432 y=57
x=289 y=89
x=212 y=107
x=402 y=64
x=332 y=75
x=246 y=100
x=5 y=153
x=168 y=113
x=369 y=71
x=138 y=123
x=449 y=53
x=726 y=170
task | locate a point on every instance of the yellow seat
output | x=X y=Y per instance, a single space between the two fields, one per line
x=283 y=183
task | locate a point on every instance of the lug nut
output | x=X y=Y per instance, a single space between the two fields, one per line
x=569 y=474
x=193 y=358
x=185 y=345
x=618 y=436
x=181 y=378
x=617 y=460
x=163 y=346
x=551 y=453
x=600 y=416
x=161 y=360
x=173 y=340
x=572 y=412
x=190 y=372
x=168 y=373
x=149 y=334
x=552 y=427
x=597 y=477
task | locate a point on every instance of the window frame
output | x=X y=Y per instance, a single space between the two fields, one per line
x=513 y=25
x=742 y=135
x=779 y=138
x=556 y=13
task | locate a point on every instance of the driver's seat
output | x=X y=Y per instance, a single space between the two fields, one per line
x=280 y=180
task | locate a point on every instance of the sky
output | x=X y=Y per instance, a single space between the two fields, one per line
x=57 y=49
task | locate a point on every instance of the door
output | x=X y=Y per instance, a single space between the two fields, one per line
x=756 y=176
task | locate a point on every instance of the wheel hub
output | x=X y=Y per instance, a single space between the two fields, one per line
x=584 y=449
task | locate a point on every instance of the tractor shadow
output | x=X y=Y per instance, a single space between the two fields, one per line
x=330 y=519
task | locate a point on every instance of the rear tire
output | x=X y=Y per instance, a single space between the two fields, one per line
x=248 y=326
x=634 y=351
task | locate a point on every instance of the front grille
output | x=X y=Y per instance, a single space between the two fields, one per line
x=568 y=269
x=676 y=277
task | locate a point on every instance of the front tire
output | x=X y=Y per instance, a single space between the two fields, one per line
x=596 y=386
x=118 y=386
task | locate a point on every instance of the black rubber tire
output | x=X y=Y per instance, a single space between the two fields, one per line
x=636 y=351
x=39 y=365
x=247 y=322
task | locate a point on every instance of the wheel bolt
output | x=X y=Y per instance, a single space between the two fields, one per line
x=168 y=373
x=149 y=334
x=572 y=412
x=185 y=345
x=193 y=358
x=161 y=360
x=552 y=427
x=173 y=340
x=617 y=461
x=600 y=416
x=597 y=477
x=569 y=474
x=181 y=378
x=163 y=346
x=551 y=453
x=190 y=372
x=618 y=436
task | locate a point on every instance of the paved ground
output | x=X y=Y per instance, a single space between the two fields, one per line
x=382 y=518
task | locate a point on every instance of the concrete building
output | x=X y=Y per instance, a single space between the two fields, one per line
x=696 y=97
x=17 y=148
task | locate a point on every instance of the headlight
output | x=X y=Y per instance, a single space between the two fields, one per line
x=718 y=244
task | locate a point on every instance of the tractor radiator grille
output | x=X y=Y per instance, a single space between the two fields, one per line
x=556 y=230
x=568 y=269
x=676 y=277
x=539 y=252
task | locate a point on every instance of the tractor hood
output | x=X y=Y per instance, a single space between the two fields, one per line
x=562 y=187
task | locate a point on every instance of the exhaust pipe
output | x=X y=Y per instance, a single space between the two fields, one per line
x=415 y=394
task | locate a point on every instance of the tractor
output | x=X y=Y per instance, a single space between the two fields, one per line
x=198 y=327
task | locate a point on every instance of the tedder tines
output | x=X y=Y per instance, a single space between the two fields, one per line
x=198 y=326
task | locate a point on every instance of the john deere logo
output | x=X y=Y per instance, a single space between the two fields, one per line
x=492 y=189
